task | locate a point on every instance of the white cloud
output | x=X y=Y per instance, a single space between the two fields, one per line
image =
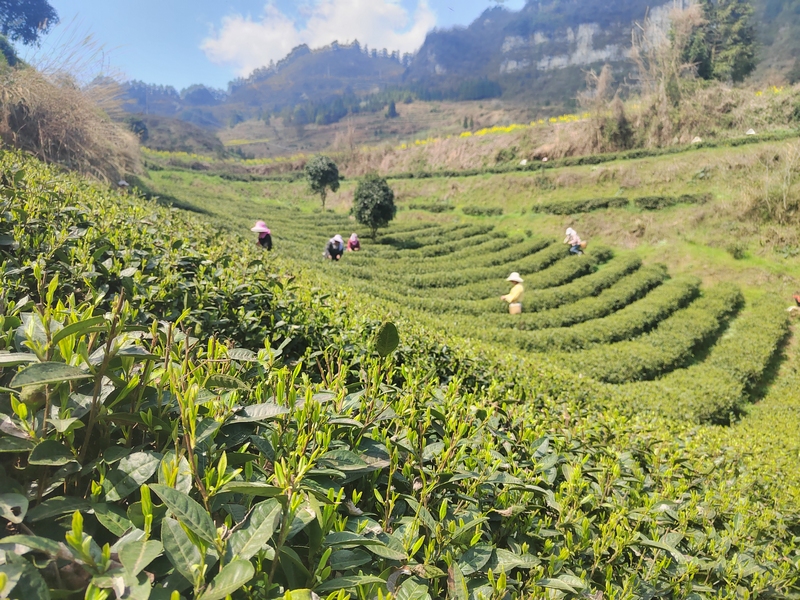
x=248 y=44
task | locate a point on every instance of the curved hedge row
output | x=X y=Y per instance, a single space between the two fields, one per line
x=669 y=346
x=460 y=252
x=448 y=233
x=530 y=264
x=633 y=320
x=568 y=269
x=489 y=253
x=448 y=247
x=584 y=287
x=568 y=207
x=720 y=386
x=631 y=288
x=535 y=299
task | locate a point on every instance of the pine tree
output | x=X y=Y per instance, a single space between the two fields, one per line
x=724 y=47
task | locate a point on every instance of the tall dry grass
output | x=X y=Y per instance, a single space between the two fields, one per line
x=59 y=109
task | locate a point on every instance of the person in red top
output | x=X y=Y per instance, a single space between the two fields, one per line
x=353 y=244
x=797 y=298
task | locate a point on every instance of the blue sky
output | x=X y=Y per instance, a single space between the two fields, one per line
x=178 y=42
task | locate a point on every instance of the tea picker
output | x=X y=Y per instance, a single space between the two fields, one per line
x=335 y=248
x=577 y=246
x=264 y=235
x=514 y=297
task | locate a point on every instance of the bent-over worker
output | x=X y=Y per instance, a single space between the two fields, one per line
x=514 y=297
x=264 y=235
x=335 y=248
x=574 y=241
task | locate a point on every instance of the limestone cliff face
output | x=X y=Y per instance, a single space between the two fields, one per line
x=523 y=47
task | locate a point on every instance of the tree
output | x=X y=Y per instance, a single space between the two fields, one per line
x=26 y=20
x=392 y=112
x=723 y=46
x=322 y=174
x=373 y=203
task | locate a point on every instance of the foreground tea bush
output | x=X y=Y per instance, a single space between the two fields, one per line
x=146 y=452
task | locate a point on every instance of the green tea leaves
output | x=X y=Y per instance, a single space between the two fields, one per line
x=387 y=339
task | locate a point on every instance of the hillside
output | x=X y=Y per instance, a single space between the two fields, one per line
x=255 y=427
x=175 y=135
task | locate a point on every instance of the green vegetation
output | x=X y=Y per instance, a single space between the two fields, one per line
x=185 y=412
x=373 y=203
x=322 y=175
x=723 y=44
x=26 y=21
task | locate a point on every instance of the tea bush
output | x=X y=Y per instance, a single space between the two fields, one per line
x=720 y=386
x=660 y=202
x=670 y=345
x=568 y=207
x=481 y=211
x=631 y=321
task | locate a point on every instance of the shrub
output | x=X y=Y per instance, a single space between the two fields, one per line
x=482 y=211
x=661 y=202
x=434 y=207
x=568 y=207
x=737 y=249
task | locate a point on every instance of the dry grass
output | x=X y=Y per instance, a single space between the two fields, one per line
x=54 y=119
x=61 y=108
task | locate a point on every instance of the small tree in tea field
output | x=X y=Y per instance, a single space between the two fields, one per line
x=322 y=174
x=373 y=203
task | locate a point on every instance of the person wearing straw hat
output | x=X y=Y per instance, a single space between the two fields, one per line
x=335 y=248
x=264 y=235
x=514 y=297
x=576 y=246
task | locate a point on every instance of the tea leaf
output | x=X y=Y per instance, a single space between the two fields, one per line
x=51 y=453
x=253 y=535
x=179 y=548
x=387 y=339
x=47 y=372
x=135 y=556
x=348 y=582
x=13 y=507
x=232 y=577
x=189 y=512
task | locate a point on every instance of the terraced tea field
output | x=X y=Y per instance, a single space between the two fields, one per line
x=664 y=343
x=188 y=416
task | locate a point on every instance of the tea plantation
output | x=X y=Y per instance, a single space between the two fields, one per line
x=186 y=416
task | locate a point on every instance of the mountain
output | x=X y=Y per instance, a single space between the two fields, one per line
x=304 y=75
x=307 y=74
x=538 y=52
x=538 y=55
